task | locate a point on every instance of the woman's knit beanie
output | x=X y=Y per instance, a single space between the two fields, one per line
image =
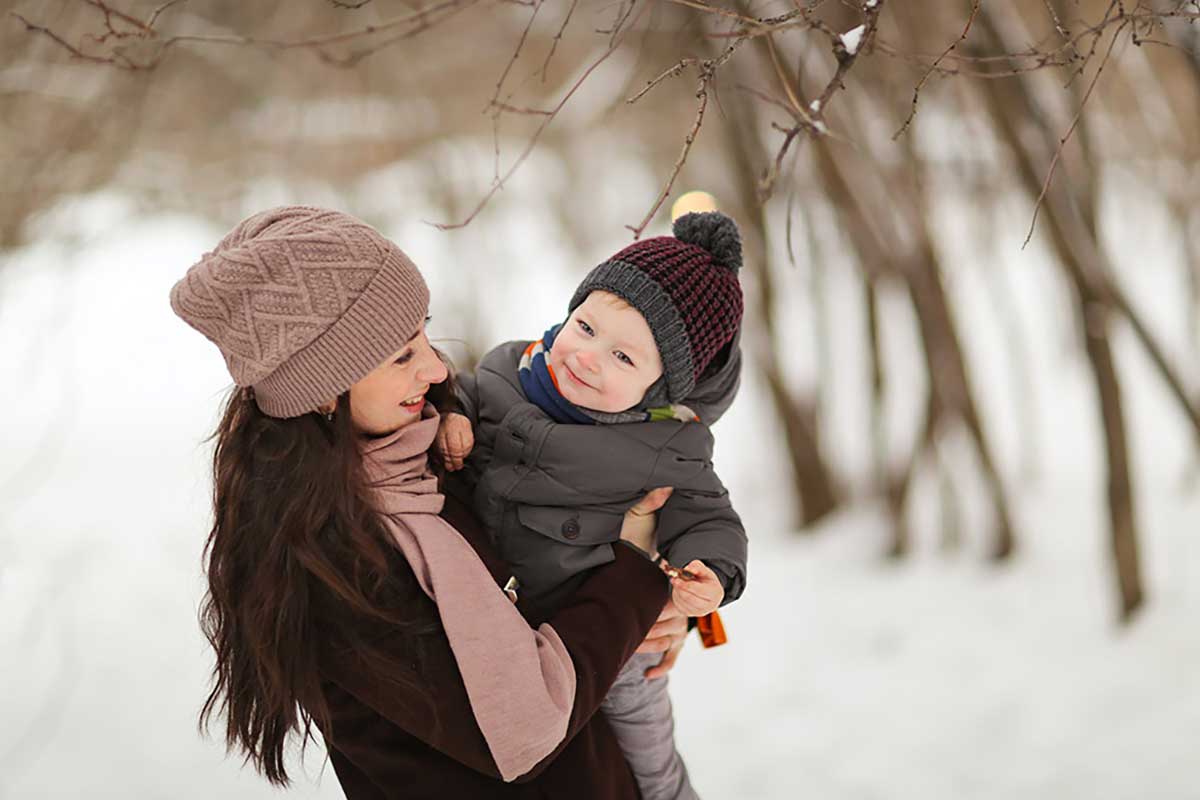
x=686 y=286
x=302 y=302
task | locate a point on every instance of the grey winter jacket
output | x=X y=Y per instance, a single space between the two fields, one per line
x=552 y=495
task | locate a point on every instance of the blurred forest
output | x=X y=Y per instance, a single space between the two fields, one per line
x=855 y=130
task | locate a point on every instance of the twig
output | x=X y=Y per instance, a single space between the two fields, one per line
x=844 y=57
x=419 y=19
x=1116 y=6
x=917 y=91
x=702 y=95
x=516 y=54
x=708 y=69
x=110 y=12
x=788 y=109
x=70 y=48
x=534 y=112
x=537 y=134
x=812 y=118
x=1063 y=141
x=1062 y=31
x=1060 y=56
x=618 y=25
x=718 y=11
x=784 y=80
x=154 y=17
x=672 y=72
x=557 y=37
x=352 y=59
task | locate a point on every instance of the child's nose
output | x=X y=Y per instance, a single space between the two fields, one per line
x=588 y=360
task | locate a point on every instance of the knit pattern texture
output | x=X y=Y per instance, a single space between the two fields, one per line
x=302 y=302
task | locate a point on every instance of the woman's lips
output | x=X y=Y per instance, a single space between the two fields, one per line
x=414 y=408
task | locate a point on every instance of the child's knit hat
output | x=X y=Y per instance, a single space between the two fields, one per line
x=686 y=286
x=302 y=302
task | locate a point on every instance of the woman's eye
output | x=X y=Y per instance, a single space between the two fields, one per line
x=624 y=359
x=405 y=358
x=583 y=326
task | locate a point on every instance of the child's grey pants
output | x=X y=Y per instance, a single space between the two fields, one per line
x=640 y=714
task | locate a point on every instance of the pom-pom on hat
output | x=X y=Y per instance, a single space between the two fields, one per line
x=687 y=288
x=302 y=302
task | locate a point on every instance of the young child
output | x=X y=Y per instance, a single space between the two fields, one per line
x=566 y=433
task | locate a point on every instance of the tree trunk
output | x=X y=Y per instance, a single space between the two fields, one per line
x=815 y=488
x=1072 y=241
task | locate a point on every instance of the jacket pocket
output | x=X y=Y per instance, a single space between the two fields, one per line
x=581 y=527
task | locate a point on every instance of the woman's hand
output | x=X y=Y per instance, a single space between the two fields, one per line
x=666 y=636
x=637 y=527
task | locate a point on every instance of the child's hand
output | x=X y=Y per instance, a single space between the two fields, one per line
x=455 y=440
x=696 y=598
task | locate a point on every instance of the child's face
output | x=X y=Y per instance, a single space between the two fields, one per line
x=604 y=357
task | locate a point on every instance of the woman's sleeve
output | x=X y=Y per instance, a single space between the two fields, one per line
x=627 y=596
x=600 y=625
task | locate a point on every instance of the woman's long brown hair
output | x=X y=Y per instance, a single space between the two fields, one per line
x=298 y=566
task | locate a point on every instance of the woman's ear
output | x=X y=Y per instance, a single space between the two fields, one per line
x=327 y=407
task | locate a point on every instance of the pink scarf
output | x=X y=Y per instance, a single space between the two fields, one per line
x=520 y=682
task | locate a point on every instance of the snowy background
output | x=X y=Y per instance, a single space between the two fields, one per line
x=847 y=676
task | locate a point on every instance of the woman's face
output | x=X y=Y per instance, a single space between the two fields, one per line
x=393 y=394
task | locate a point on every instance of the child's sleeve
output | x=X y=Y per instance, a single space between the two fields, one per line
x=709 y=530
x=466 y=391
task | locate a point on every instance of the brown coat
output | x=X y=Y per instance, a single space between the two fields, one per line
x=387 y=746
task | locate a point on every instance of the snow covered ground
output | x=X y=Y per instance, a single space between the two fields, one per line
x=846 y=676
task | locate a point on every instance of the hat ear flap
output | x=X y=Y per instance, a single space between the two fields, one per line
x=657 y=395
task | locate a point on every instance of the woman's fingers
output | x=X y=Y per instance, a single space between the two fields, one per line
x=674 y=628
x=657 y=645
x=653 y=501
x=637 y=527
x=664 y=666
x=671 y=611
x=669 y=631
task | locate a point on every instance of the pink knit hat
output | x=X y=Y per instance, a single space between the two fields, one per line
x=302 y=302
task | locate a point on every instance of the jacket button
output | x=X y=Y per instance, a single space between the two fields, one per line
x=570 y=528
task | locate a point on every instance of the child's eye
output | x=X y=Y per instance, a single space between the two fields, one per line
x=583 y=326
x=624 y=359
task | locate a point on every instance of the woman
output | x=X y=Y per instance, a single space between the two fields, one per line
x=337 y=595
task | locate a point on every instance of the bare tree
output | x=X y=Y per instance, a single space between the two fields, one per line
x=786 y=110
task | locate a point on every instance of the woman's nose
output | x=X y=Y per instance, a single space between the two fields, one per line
x=433 y=370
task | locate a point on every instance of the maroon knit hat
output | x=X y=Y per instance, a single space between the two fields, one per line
x=686 y=286
x=302 y=302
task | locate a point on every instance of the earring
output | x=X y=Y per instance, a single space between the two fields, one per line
x=329 y=416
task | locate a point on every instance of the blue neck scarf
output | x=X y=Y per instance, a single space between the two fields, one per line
x=539 y=385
